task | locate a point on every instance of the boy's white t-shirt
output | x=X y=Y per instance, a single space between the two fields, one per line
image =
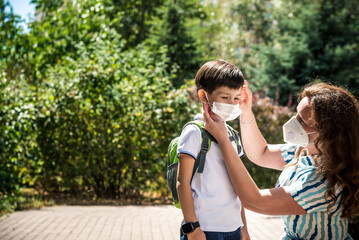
x=217 y=206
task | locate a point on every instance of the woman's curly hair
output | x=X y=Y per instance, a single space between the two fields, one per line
x=335 y=113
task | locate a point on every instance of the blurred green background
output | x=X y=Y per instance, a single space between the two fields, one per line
x=93 y=91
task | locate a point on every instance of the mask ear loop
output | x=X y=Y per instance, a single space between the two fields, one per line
x=207 y=99
x=311 y=132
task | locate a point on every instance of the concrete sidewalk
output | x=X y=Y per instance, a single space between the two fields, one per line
x=115 y=222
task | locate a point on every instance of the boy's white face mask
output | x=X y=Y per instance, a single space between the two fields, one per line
x=294 y=133
x=227 y=112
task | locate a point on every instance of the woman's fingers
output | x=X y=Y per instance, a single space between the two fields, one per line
x=246 y=94
x=207 y=118
x=213 y=124
x=245 y=91
x=210 y=115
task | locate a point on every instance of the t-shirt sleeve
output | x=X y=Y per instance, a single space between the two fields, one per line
x=190 y=141
x=309 y=191
x=288 y=152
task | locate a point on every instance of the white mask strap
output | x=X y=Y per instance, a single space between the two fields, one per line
x=207 y=98
x=311 y=132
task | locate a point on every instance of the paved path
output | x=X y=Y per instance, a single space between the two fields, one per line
x=115 y=222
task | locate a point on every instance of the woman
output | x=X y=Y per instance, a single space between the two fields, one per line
x=318 y=190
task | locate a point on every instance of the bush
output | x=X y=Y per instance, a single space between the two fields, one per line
x=19 y=165
x=86 y=113
x=106 y=120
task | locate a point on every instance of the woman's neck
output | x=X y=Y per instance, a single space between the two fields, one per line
x=312 y=150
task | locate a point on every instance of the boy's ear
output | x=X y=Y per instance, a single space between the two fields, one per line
x=202 y=96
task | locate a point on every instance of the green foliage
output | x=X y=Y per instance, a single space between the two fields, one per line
x=86 y=113
x=253 y=16
x=135 y=27
x=282 y=45
x=107 y=129
x=19 y=165
x=20 y=199
x=60 y=32
x=232 y=30
x=18 y=158
x=180 y=47
x=311 y=39
x=10 y=39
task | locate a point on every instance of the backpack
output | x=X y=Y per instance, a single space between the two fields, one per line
x=172 y=164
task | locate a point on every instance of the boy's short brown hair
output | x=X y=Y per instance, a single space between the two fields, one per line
x=218 y=73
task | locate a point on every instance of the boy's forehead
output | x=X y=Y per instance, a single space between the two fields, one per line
x=227 y=90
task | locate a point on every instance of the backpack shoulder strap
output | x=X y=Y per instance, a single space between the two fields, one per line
x=205 y=146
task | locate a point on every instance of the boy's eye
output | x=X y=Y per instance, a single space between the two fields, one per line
x=225 y=98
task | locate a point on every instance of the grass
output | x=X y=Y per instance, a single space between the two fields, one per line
x=22 y=199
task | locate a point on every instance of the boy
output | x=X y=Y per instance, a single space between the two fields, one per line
x=209 y=204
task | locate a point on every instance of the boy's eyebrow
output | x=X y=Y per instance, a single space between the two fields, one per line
x=223 y=93
x=239 y=94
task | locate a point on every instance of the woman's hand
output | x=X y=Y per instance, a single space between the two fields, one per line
x=213 y=124
x=245 y=103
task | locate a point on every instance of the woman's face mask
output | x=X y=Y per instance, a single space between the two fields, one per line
x=294 y=133
x=227 y=112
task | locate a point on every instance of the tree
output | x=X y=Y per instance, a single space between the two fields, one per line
x=11 y=40
x=171 y=35
x=135 y=27
x=86 y=112
x=311 y=40
x=233 y=30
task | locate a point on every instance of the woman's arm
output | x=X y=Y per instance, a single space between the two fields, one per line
x=267 y=201
x=255 y=146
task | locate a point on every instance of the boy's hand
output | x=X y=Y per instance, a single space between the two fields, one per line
x=245 y=101
x=245 y=234
x=197 y=234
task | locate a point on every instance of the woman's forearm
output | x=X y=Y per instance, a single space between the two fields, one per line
x=256 y=147
x=242 y=182
x=251 y=134
x=276 y=201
